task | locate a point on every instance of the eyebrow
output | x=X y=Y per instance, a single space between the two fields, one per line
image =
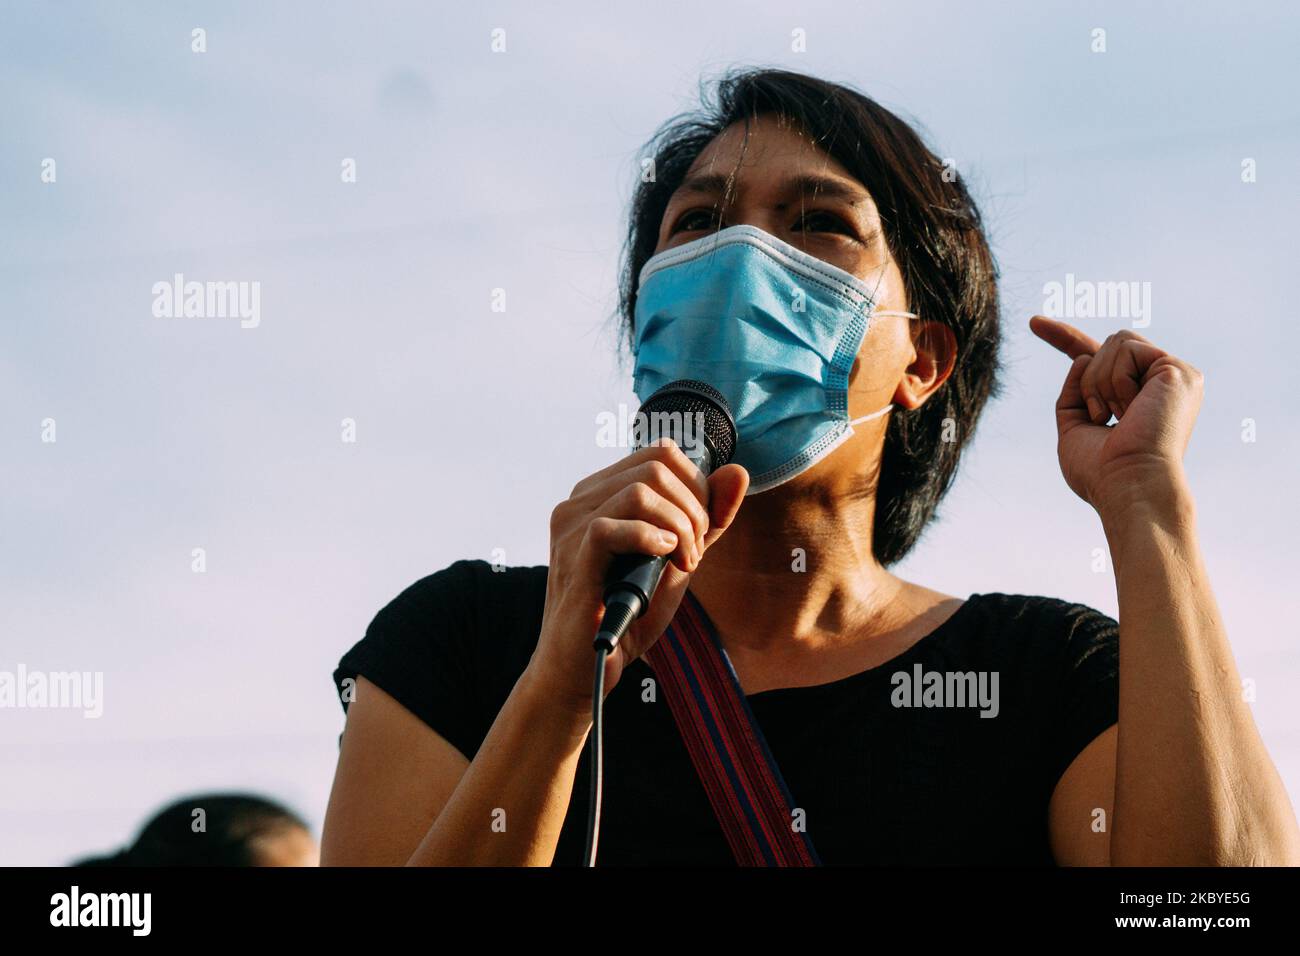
x=717 y=184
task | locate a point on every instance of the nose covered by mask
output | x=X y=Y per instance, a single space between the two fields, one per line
x=773 y=328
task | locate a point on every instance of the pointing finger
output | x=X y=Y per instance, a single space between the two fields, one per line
x=1063 y=337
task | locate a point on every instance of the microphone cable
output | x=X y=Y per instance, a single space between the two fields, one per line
x=596 y=770
x=620 y=611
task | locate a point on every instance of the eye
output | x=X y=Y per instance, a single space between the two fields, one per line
x=695 y=220
x=820 y=220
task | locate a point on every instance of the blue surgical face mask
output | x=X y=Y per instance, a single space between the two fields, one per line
x=774 y=329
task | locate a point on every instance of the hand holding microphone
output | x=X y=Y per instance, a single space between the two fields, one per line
x=661 y=502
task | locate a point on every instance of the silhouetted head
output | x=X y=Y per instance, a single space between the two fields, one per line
x=227 y=829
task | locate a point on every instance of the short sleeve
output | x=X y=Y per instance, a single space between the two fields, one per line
x=419 y=649
x=1088 y=695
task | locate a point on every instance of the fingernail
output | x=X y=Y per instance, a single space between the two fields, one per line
x=668 y=538
x=1094 y=408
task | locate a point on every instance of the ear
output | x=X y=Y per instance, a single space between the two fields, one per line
x=935 y=348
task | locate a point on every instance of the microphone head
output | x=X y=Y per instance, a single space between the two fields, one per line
x=698 y=402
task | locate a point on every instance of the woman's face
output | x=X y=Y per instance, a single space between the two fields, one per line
x=776 y=180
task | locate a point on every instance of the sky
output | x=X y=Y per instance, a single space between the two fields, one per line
x=1169 y=158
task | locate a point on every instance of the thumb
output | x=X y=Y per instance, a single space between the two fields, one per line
x=727 y=487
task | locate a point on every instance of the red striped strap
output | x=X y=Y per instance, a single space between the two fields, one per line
x=744 y=785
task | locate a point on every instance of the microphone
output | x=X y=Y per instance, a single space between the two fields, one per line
x=695 y=416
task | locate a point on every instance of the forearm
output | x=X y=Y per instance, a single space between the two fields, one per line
x=1193 y=781
x=511 y=803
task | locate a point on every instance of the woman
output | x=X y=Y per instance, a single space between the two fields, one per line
x=469 y=699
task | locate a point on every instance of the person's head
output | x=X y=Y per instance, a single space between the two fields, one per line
x=219 y=830
x=824 y=168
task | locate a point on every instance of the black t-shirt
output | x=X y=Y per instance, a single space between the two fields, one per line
x=879 y=783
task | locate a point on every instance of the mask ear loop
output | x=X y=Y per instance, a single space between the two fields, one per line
x=867 y=418
x=890 y=406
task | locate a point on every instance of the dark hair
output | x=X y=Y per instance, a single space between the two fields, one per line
x=934 y=232
x=233 y=823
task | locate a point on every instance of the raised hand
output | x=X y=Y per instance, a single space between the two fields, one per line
x=1153 y=395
